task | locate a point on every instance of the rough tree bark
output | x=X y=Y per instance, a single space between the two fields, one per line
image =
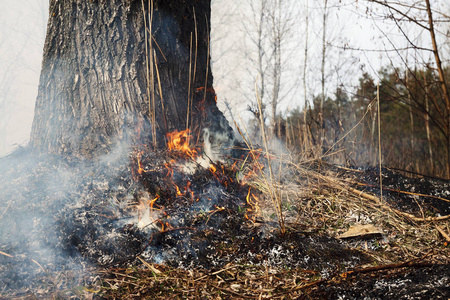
x=94 y=81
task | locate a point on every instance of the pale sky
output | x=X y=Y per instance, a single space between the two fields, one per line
x=22 y=34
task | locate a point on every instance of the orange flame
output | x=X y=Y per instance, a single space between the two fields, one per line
x=255 y=169
x=152 y=202
x=187 y=191
x=252 y=200
x=140 y=165
x=179 y=141
x=145 y=205
x=178 y=190
x=137 y=168
x=169 y=168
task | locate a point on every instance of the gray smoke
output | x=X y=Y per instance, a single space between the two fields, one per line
x=42 y=197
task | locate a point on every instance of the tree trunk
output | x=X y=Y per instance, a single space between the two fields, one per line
x=305 y=67
x=411 y=116
x=97 y=72
x=442 y=83
x=322 y=71
x=427 y=125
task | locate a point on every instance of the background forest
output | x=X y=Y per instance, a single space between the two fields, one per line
x=316 y=65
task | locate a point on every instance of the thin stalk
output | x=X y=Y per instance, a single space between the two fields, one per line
x=324 y=48
x=189 y=84
x=305 y=65
x=160 y=92
x=306 y=59
x=207 y=61
x=379 y=141
x=152 y=105
x=411 y=116
x=147 y=65
x=427 y=123
x=195 y=63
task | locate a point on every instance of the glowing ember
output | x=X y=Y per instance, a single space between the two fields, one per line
x=179 y=141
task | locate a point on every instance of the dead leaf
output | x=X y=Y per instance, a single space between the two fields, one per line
x=361 y=231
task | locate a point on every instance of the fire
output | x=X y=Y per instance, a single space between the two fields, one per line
x=140 y=165
x=169 y=168
x=146 y=212
x=179 y=141
x=208 y=90
x=253 y=169
x=179 y=193
x=187 y=191
x=146 y=204
x=252 y=200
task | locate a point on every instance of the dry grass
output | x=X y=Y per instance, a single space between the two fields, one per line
x=321 y=204
x=312 y=198
x=330 y=204
x=230 y=282
x=324 y=203
x=315 y=197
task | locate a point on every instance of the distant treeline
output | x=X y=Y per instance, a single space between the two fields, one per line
x=414 y=123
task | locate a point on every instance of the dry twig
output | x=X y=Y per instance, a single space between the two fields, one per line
x=443 y=233
x=6 y=254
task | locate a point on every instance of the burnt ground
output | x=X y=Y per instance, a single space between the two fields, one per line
x=395 y=185
x=71 y=229
x=425 y=281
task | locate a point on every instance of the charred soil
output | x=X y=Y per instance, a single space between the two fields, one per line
x=162 y=225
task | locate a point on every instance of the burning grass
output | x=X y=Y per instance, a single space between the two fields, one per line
x=177 y=229
x=318 y=205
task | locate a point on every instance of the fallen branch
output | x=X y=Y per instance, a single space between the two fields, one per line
x=407 y=215
x=333 y=183
x=386 y=267
x=443 y=233
x=427 y=219
x=405 y=192
x=366 y=196
x=410 y=263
